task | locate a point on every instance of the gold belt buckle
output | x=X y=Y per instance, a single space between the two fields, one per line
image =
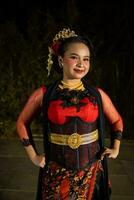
x=74 y=140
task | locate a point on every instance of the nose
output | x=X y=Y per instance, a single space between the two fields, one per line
x=79 y=64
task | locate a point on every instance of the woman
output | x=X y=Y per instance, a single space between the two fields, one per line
x=74 y=165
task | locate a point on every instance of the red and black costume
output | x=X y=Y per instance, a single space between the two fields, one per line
x=75 y=173
x=73 y=168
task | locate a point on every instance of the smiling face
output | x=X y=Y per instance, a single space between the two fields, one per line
x=75 y=62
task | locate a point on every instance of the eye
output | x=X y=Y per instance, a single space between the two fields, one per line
x=74 y=57
x=86 y=59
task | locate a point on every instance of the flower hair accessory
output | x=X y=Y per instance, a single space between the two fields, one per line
x=53 y=49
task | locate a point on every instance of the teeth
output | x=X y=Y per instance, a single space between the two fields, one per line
x=79 y=70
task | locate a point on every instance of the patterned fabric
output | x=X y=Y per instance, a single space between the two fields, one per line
x=71 y=113
x=62 y=184
x=73 y=174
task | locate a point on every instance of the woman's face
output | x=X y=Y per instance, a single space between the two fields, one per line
x=76 y=61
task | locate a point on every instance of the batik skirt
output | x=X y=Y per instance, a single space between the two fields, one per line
x=59 y=183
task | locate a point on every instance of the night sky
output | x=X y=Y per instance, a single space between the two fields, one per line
x=112 y=20
x=108 y=11
x=29 y=24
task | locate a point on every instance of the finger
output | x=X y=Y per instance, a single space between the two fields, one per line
x=109 y=156
x=103 y=155
x=105 y=152
x=42 y=163
x=108 y=151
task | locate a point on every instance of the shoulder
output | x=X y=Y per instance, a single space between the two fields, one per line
x=37 y=95
x=43 y=88
x=102 y=93
x=106 y=100
x=39 y=91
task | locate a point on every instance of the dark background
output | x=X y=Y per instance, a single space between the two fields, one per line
x=27 y=28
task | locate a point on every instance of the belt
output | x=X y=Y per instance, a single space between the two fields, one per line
x=74 y=140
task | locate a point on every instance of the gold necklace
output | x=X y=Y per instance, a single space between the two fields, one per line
x=73 y=86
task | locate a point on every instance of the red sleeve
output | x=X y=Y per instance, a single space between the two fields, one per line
x=43 y=89
x=29 y=112
x=111 y=112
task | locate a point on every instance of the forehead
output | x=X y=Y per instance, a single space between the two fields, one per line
x=77 y=47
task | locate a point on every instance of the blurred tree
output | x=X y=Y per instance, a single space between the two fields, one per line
x=26 y=33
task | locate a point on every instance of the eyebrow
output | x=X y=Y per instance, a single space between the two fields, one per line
x=75 y=54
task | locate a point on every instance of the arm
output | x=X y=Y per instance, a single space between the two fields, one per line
x=116 y=123
x=32 y=107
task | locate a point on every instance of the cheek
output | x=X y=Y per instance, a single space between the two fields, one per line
x=87 y=65
x=70 y=62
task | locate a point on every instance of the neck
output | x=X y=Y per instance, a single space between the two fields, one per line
x=71 y=81
x=72 y=85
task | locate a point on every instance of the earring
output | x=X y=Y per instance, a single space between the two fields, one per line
x=61 y=65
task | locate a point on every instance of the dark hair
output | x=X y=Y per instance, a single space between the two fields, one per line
x=64 y=45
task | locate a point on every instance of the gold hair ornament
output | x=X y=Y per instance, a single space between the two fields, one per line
x=53 y=50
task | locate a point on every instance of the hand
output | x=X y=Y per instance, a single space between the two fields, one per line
x=111 y=153
x=39 y=160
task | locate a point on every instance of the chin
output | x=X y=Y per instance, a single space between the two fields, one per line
x=79 y=76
